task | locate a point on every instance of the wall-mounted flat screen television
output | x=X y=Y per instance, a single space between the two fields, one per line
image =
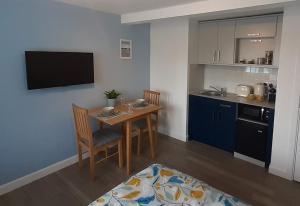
x=57 y=69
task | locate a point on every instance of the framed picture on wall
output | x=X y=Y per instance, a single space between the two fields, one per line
x=125 y=49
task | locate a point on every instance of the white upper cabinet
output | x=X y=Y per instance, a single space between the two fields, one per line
x=237 y=42
x=256 y=27
x=216 y=42
x=208 y=42
x=225 y=52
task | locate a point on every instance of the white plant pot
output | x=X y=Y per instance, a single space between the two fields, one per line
x=111 y=102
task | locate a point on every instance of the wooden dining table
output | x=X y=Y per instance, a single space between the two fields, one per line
x=127 y=118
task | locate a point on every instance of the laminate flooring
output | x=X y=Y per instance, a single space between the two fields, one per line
x=220 y=169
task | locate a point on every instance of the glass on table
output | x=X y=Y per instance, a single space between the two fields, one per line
x=122 y=100
x=130 y=108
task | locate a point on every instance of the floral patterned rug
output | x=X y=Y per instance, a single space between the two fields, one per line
x=160 y=185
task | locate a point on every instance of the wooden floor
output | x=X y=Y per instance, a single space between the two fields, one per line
x=219 y=169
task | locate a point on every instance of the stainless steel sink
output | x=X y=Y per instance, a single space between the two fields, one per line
x=211 y=93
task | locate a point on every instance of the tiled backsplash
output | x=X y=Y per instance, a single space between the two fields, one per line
x=230 y=77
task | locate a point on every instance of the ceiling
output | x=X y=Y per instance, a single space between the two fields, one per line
x=126 y=6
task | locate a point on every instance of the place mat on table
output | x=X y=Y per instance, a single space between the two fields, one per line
x=113 y=115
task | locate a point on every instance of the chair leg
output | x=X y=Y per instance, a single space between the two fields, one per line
x=120 y=150
x=106 y=152
x=150 y=131
x=101 y=125
x=79 y=155
x=139 y=142
x=155 y=136
x=92 y=165
x=124 y=142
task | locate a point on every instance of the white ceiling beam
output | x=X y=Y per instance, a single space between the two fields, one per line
x=198 y=8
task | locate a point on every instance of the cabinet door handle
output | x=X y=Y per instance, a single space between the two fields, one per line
x=213 y=116
x=253 y=34
x=225 y=105
x=262 y=113
x=256 y=40
x=214 y=56
x=219 y=55
x=259 y=131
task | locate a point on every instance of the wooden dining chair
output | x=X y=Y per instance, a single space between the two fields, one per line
x=140 y=126
x=95 y=142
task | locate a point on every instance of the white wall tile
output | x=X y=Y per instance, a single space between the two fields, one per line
x=230 y=77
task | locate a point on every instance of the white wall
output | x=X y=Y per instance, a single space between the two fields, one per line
x=168 y=73
x=287 y=95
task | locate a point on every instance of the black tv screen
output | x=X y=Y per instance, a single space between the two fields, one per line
x=57 y=69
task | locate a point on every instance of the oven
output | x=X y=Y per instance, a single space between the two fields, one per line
x=252 y=133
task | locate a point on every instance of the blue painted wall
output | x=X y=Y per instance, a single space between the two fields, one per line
x=36 y=127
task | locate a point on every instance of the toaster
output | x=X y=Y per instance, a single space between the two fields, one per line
x=243 y=90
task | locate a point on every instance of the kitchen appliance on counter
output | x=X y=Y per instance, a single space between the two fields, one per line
x=271 y=93
x=259 y=91
x=253 y=133
x=243 y=90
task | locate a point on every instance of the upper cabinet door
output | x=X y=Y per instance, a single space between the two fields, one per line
x=256 y=27
x=208 y=42
x=225 y=53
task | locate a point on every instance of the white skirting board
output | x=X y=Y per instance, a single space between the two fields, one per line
x=10 y=186
x=174 y=135
x=249 y=159
x=280 y=173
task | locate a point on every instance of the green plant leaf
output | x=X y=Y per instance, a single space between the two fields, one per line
x=112 y=94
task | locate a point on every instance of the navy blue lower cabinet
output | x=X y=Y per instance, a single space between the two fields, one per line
x=201 y=119
x=212 y=122
x=225 y=126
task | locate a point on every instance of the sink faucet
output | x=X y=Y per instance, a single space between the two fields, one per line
x=215 y=88
x=222 y=90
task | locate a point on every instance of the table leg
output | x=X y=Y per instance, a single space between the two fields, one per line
x=124 y=141
x=149 y=123
x=128 y=146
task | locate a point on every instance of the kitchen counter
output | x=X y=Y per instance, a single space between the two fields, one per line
x=230 y=97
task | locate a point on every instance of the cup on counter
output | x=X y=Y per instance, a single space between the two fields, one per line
x=261 y=60
x=269 y=57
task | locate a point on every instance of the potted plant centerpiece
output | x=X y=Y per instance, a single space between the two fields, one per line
x=112 y=97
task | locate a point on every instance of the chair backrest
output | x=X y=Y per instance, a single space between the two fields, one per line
x=152 y=97
x=82 y=125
